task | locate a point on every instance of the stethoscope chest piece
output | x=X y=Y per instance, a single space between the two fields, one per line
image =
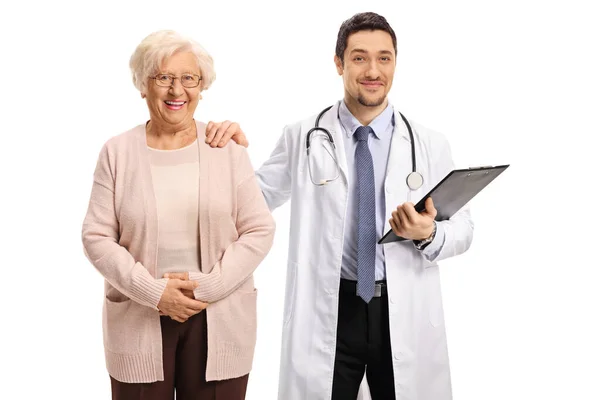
x=414 y=180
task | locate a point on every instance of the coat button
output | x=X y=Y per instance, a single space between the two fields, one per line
x=397 y=355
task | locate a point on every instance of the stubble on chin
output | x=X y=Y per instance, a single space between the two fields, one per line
x=370 y=103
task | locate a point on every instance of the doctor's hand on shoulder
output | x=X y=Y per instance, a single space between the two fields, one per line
x=219 y=133
x=406 y=222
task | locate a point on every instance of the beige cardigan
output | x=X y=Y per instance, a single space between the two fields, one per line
x=120 y=234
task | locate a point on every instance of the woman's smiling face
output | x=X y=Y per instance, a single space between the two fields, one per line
x=174 y=105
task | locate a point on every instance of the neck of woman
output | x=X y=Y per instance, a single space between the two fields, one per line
x=170 y=137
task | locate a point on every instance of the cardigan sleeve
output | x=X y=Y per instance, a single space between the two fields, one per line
x=256 y=230
x=100 y=237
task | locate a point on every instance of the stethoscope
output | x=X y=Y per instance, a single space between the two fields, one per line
x=414 y=180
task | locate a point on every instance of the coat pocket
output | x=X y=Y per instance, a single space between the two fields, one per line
x=238 y=313
x=125 y=325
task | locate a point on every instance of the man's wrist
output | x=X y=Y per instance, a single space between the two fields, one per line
x=421 y=244
x=431 y=232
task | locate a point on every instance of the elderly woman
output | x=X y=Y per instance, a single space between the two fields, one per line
x=176 y=242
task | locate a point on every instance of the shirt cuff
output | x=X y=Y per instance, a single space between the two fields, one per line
x=433 y=249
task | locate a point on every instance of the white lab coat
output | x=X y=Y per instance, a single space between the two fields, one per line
x=418 y=337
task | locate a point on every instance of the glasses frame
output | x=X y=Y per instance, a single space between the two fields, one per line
x=173 y=77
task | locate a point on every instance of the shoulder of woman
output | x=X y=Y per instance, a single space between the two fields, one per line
x=125 y=139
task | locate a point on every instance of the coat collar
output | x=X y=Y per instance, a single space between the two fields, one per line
x=379 y=125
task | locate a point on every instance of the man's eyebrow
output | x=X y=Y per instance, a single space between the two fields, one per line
x=365 y=51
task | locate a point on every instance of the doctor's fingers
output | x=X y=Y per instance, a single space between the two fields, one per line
x=397 y=221
x=211 y=129
x=215 y=130
x=395 y=227
x=396 y=218
x=224 y=133
x=235 y=133
x=410 y=212
x=404 y=219
x=430 y=208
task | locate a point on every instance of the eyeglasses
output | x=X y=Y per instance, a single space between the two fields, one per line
x=187 y=80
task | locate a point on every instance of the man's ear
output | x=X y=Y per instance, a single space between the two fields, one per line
x=339 y=65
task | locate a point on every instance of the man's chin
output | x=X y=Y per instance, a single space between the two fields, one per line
x=370 y=102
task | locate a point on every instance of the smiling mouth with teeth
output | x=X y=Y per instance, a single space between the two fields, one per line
x=175 y=103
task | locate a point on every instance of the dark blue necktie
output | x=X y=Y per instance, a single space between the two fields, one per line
x=366 y=215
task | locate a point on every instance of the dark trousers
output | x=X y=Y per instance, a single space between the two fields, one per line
x=363 y=342
x=184 y=363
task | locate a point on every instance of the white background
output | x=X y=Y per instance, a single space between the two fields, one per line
x=508 y=82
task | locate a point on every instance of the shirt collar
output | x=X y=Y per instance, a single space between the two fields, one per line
x=379 y=125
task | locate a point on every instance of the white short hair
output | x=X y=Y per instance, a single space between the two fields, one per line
x=156 y=47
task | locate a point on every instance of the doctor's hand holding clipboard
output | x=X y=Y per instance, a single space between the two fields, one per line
x=419 y=222
x=406 y=222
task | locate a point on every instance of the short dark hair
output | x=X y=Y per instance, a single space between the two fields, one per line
x=367 y=21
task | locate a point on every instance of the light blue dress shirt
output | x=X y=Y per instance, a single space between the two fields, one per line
x=379 y=145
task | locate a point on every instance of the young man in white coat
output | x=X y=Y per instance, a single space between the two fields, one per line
x=354 y=308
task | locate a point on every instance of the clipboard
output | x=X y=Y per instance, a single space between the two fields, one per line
x=453 y=192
